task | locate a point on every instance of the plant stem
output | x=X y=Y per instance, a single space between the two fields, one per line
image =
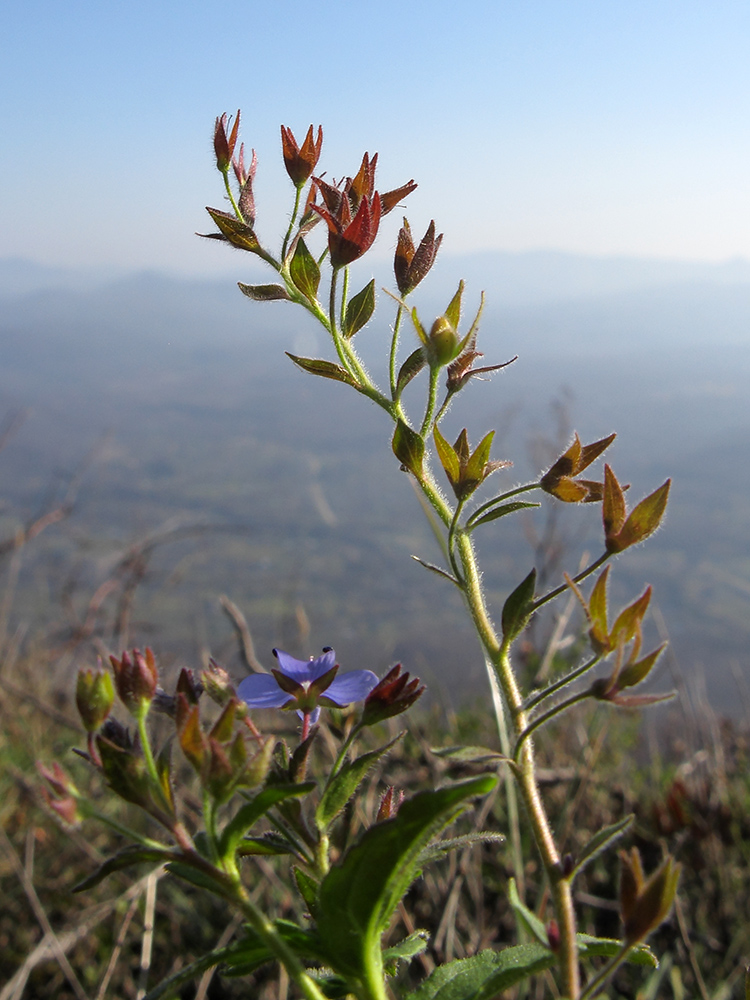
x=499 y=655
x=601 y=977
x=394 y=351
x=576 y=579
x=499 y=499
x=546 y=716
x=431 y=400
x=562 y=682
x=276 y=944
x=228 y=186
x=293 y=219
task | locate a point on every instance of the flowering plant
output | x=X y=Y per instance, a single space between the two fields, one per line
x=350 y=892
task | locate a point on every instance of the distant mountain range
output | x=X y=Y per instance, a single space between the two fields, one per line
x=210 y=420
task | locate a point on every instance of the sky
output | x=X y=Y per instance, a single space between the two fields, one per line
x=605 y=127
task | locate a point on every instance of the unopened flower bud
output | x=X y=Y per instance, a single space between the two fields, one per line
x=95 y=694
x=135 y=678
x=217 y=683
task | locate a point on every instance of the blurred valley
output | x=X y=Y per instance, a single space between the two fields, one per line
x=235 y=473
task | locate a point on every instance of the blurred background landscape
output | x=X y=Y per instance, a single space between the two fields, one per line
x=247 y=478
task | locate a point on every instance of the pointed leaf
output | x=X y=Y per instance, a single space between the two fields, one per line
x=359 y=895
x=476 y=464
x=133 y=855
x=595 y=947
x=343 y=785
x=268 y=843
x=528 y=919
x=251 y=952
x=628 y=623
x=501 y=511
x=196 y=876
x=484 y=976
x=517 y=608
x=590 y=452
x=305 y=271
x=440 y=848
x=600 y=842
x=634 y=673
x=264 y=293
x=453 y=312
x=327 y=369
x=468 y=754
x=239 y=234
x=408 y=447
x=613 y=505
x=644 y=519
x=251 y=812
x=448 y=457
x=597 y=613
x=308 y=890
x=359 y=310
x=168 y=987
x=405 y=950
x=411 y=367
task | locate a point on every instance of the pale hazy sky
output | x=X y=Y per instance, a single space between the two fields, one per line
x=595 y=126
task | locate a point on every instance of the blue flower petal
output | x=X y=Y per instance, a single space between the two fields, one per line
x=262 y=691
x=354 y=685
x=305 y=670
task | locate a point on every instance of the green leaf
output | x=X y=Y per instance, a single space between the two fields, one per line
x=409 y=369
x=250 y=813
x=239 y=234
x=359 y=310
x=468 y=755
x=168 y=987
x=343 y=785
x=358 y=896
x=501 y=511
x=485 y=975
x=453 y=312
x=327 y=369
x=440 y=848
x=308 y=889
x=268 y=843
x=517 y=608
x=448 y=457
x=412 y=945
x=594 y=947
x=527 y=917
x=408 y=447
x=264 y=293
x=601 y=841
x=251 y=952
x=476 y=464
x=305 y=271
x=128 y=856
x=196 y=876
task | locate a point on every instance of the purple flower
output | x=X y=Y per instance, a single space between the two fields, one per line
x=305 y=685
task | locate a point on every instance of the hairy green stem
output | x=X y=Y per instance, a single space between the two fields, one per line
x=431 y=401
x=499 y=655
x=499 y=499
x=285 y=244
x=562 y=682
x=393 y=358
x=592 y=568
x=228 y=186
x=545 y=717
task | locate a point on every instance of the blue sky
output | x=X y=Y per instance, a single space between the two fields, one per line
x=593 y=126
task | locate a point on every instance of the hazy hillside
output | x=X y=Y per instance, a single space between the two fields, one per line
x=211 y=424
